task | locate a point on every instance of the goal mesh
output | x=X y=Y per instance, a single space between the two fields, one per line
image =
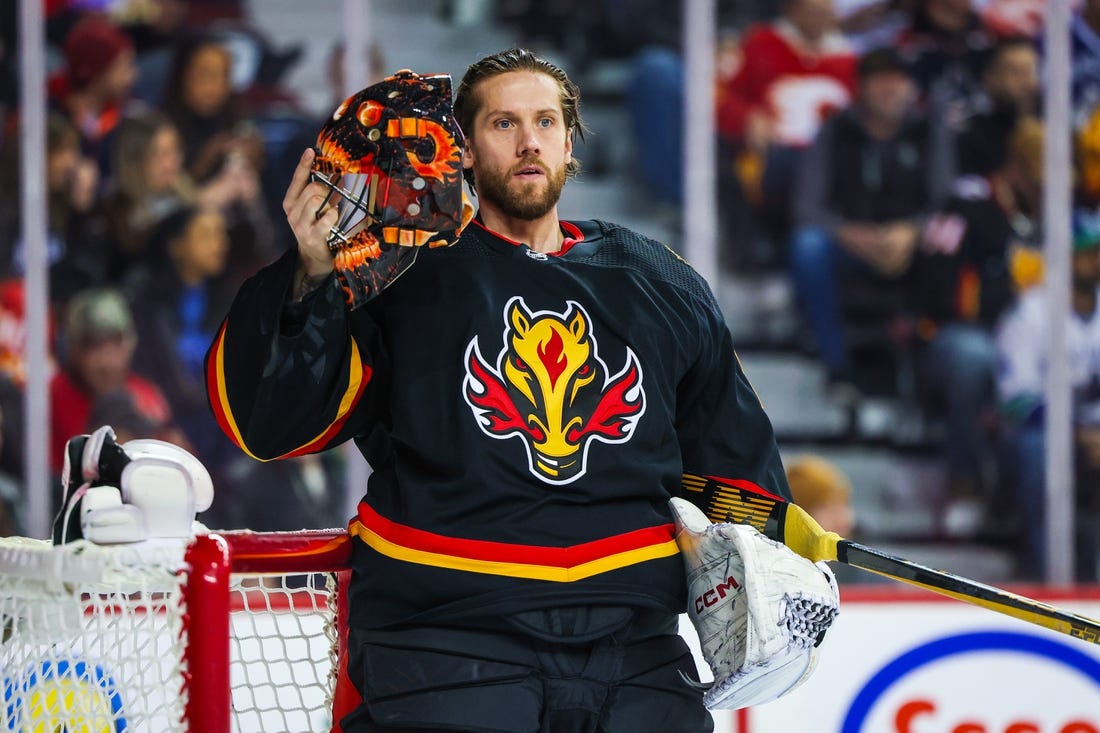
x=228 y=632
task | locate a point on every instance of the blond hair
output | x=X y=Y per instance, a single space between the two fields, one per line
x=815 y=481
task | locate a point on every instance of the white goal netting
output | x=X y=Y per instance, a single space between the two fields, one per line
x=132 y=638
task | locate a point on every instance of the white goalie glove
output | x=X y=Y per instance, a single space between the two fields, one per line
x=143 y=489
x=760 y=609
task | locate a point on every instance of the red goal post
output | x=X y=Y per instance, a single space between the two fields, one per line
x=231 y=631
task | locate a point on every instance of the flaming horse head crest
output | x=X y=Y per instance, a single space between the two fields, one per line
x=550 y=388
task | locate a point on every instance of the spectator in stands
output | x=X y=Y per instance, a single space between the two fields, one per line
x=874 y=172
x=944 y=46
x=789 y=75
x=98 y=348
x=93 y=90
x=149 y=183
x=1022 y=350
x=1009 y=92
x=822 y=489
x=974 y=256
x=152 y=183
x=74 y=247
x=220 y=140
x=179 y=296
x=200 y=100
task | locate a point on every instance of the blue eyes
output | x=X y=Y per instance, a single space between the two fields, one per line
x=544 y=123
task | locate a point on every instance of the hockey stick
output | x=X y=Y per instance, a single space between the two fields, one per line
x=776 y=518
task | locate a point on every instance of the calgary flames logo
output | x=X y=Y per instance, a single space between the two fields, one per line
x=551 y=389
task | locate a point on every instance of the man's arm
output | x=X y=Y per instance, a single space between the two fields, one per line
x=288 y=378
x=721 y=424
x=289 y=366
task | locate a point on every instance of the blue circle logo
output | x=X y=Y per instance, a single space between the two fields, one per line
x=961 y=644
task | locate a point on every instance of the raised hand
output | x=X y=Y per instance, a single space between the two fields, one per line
x=311 y=225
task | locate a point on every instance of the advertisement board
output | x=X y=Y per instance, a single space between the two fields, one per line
x=912 y=662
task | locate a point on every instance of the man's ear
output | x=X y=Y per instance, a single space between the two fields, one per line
x=569 y=147
x=467 y=155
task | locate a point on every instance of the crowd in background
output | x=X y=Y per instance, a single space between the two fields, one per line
x=164 y=177
x=885 y=155
x=890 y=160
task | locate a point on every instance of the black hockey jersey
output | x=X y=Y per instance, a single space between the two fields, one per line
x=526 y=416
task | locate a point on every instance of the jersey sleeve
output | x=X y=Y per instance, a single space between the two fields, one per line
x=723 y=430
x=288 y=379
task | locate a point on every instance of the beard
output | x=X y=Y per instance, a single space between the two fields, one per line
x=523 y=201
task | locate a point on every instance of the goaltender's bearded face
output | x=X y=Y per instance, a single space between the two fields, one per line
x=519 y=146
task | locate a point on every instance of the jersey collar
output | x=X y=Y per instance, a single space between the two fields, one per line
x=572 y=233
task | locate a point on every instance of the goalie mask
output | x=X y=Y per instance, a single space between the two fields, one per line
x=391 y=158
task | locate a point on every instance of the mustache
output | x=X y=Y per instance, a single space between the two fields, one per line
x=530 y=163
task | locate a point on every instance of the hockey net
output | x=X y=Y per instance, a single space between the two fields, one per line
x=227 y=632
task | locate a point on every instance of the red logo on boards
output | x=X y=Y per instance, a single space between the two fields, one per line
x=919 y=715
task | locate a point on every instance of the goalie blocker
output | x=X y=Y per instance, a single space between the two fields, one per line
x=760 y=610
x=140 y=490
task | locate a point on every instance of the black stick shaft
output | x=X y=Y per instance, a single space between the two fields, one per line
x=970 y=591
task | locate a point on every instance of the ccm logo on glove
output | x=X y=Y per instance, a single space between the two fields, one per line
x=716 y=594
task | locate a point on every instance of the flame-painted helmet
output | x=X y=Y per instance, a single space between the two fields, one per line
x=392 y=157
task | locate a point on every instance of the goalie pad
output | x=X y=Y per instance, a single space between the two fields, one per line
x=140 y=490
x=760 y=610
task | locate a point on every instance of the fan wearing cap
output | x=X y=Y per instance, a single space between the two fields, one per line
x=99 y=74
x=98 y=341
x=1021 y=347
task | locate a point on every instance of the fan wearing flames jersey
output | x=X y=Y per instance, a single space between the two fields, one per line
x=529 y=398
